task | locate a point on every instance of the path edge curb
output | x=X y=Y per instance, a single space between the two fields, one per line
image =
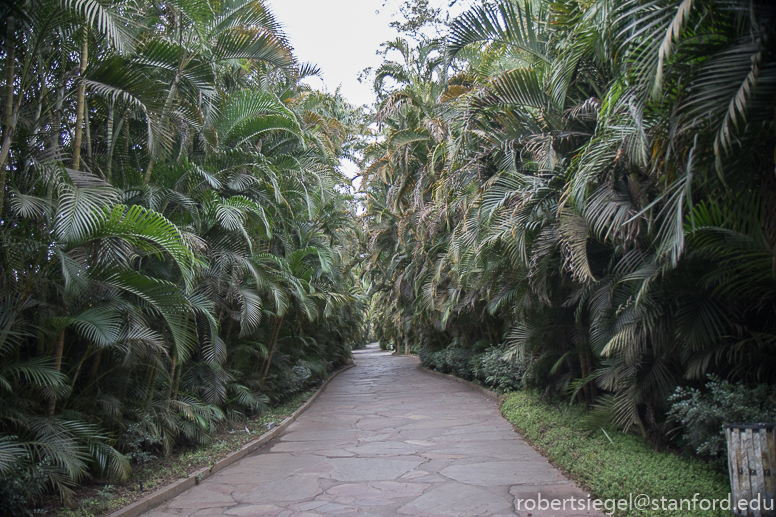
x=176 y=488
x=475 y=386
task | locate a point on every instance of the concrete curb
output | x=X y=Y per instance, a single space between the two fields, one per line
x=170 y=491
x=484 y=391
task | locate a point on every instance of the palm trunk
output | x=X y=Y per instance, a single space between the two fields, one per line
x=80 y=104
x=8 y=125
x=126 y=146
x=56 y=134
x=152 y=375
x=87 y=129
x=173 y=366
x=87 y=353
x=59 y=348
x=178 y=373
x=273 y=341
x=584 y=366
x=109 y=136
x=572 y=371
x=95 y=367
x=167 y=105
x=39 y=109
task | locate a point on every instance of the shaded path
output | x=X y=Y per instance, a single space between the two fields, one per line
x=385 y=439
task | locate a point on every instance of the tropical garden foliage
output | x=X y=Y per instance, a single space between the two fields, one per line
x=589 y=187
x=177 y=238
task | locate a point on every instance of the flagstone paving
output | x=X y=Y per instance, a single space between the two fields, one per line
x=386 y=438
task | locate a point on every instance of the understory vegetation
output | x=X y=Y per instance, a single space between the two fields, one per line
x=178 y=242
x=611 y=464
x=487 y=367
x=95 y=498
x=587 y=189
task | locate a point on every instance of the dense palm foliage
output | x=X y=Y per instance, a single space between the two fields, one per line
x=177 y=239
x=590 y=186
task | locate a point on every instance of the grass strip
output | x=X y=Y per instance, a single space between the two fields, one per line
x=94 y=499
x=613 y=465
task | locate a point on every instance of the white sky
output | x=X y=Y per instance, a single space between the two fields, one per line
x=342 y=38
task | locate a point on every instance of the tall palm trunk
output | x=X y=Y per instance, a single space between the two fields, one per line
x=59 y=348
x=109 y=139
x=95 y=367
x=87 y=129
x=584 y=364
x=278 y=322
x=80 y=103
x=8 y=125
x=113 y=137
x=173 y=367
x=165 y=110
x=153 y=373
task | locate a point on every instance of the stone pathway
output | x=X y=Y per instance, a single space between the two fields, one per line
x=384 y=439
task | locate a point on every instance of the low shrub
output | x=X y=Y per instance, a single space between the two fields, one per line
x=612 y=464
x=19 y=486
x=486 y=368
x=702 y=414
x=291 y=380
x=453 y=360
x=492 y=371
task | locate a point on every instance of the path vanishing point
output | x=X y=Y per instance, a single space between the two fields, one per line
x=386 y=439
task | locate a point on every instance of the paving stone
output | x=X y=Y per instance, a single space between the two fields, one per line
x=255 y=510
x=495 y=473
x=333 y=453
x=371 y=469
x=293 y=488
x=378 y=424
x=456 y=500
x=375 y=494
x=386 y=448
x=212 y=495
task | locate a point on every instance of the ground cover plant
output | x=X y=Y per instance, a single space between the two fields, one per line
x=611 y=464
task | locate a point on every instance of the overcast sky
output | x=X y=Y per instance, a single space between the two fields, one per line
x=342 y=38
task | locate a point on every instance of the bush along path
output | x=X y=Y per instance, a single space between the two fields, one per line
x=386 y=439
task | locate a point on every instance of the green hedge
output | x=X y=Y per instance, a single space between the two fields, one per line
x=486 y=367
x=611 y=464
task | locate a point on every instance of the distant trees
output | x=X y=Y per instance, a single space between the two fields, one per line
x=177 y=242
x=590 y=187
